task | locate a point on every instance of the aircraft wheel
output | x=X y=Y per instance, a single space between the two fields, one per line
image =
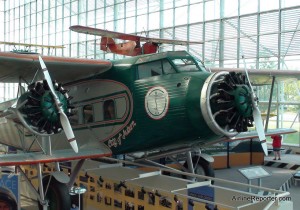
x=57 y=195
x=201 y=167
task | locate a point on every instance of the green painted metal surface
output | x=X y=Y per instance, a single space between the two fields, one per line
x=242 y=99
x=183 y=123
x=48 y=106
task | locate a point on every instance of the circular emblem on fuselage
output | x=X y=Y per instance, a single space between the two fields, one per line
x=157 y=102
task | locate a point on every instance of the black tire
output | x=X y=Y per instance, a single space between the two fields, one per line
x=203 y=167
x=7 y=196
x=57 y=194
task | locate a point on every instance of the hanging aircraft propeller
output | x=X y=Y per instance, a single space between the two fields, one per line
x=63 y=117
x=256 y=114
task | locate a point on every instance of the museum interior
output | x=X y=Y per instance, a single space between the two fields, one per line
x=149 y=105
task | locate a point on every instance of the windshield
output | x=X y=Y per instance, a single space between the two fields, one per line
x=185 y=64
x=201 y=65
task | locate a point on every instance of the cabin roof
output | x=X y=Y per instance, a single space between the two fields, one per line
x=151 y=57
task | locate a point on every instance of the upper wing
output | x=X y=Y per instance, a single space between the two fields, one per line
x=101 y=32
x=57 y=156
x=123 y=36
x=264 y=76
x=14 y=66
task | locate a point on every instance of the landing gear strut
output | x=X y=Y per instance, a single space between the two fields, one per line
x=198 y=165
x=57 y=194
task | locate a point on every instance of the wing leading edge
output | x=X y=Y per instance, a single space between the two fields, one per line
x=270 y=132
x=252 y=135
x=131 y=37
x=57 y=156
x=265 y=76
x=14 y=66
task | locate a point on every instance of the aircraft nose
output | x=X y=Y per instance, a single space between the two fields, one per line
x=226 y=103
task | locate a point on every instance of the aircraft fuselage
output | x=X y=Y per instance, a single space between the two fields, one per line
x=148 y=102
x=152 y=107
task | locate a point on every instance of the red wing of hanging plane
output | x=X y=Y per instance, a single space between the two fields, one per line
x=132 y=47
x=104 y=33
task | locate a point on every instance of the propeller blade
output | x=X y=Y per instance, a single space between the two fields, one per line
x=47 y=76
x=247 y=75
x=63 y=118
x=68 y=131
x=256 y=114
x=260 y=129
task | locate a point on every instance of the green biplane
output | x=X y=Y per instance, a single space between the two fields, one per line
x=159 y=104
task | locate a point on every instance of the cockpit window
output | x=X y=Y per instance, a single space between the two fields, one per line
x=185 y=64
x=150 y=69
x=168 y=68
x=155 y=68
x=201 y=65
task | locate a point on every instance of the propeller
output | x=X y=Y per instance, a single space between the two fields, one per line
x=256 y=114
x=63 y=117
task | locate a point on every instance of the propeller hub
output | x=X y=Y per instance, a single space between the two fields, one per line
x=242 y=100
x=49 y=108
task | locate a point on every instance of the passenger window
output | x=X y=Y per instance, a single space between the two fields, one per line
x=150 y=69
x=121 y=107
x=98 y=111
x=74 y=118
x=168 y=68
x=88 y=113
x=109 y=110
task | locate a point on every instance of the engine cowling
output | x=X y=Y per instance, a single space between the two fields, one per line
x=38 y=111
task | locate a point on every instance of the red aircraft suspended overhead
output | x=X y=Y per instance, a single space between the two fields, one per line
x=133 y=46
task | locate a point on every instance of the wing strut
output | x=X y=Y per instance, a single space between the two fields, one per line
x=269 y=105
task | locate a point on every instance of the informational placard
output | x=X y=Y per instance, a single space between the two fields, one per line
x=204 y=193
x=255 y=172
x=10 y=190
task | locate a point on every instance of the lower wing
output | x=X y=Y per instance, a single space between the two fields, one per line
x=56 y=156
x=270 y=132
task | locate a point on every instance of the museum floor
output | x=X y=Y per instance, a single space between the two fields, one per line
x=277 y=168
